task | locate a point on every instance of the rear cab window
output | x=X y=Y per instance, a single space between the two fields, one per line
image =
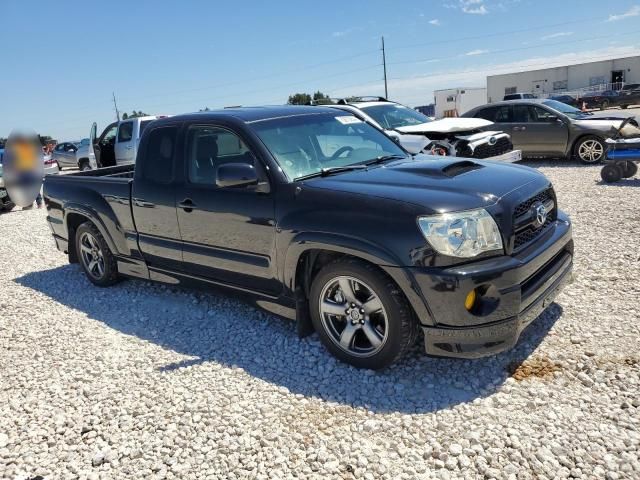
x=160 y=148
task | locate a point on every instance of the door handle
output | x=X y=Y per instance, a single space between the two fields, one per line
x=129 y=147
x=187 y=205
x=519 y=129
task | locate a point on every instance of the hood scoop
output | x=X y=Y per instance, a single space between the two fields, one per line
x=458 y=168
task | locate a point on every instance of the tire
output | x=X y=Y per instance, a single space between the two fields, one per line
x=629 y=169
x=390 y=320
x=7 y=207
x=611 y=173
x=590 y=149
x=624 y=107
x=104 y=272
x=604 y=105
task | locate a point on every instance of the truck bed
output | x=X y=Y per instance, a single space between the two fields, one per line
x=102 y=195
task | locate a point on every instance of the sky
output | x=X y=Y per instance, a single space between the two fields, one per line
x=63 y=61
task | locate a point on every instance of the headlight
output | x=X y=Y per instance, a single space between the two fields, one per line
x=461 y=234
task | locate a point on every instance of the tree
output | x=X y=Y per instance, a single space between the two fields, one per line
x=134 y=114
x=299 y=99
x=205 y=109
x=305 y=98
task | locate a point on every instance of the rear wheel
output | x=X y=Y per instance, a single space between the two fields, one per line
x=361 y=315
x=629 y=169
x=96 y=258
x=611 y=173
x=84 y=165
x=590 y=149
x=624 y=107
x=604 y=105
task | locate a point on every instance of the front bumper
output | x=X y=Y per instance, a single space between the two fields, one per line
x=509 y=157
x=513 y=292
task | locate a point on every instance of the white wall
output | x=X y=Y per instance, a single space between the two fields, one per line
x=575 y=77
x=456 y=101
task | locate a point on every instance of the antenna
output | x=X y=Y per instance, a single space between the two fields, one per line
x=115 y=106
x=384 y=64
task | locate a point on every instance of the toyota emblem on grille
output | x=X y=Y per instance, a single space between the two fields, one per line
x=540 y=212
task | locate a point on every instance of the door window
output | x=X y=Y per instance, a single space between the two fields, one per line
x=210 y=147
x=539 y=114
x=158 y=158
x=495 y=114
x=125 y=133
x=521 y=114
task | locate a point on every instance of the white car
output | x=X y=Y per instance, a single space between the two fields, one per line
x=417 y=133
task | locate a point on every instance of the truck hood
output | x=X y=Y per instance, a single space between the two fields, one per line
x=447 y=125
x=436 y=184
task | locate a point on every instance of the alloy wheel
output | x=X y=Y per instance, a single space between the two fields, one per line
x=92 y=256
x=353 y=316
x=590 y=151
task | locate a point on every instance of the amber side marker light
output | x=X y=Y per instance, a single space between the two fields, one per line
x=470 y=301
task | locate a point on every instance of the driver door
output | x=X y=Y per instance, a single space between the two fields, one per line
x=228 y=233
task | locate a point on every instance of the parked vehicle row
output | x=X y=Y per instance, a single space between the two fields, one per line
x=417 y=133
x=547 y=128
x=323 y=218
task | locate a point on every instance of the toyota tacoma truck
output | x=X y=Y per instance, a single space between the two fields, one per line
x=324 y=219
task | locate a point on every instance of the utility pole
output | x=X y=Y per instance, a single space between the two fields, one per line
x=384 y=65
x=115 y=106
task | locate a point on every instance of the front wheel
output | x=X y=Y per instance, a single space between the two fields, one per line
x=94 y=254
x=361 y=315
x=604 y=105
x=590 y=149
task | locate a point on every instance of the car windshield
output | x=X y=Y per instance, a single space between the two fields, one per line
x=568 y=110
x=307 y=144
x=393 y=115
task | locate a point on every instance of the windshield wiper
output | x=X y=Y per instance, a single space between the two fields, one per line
x=385 y=158
x=325 y=172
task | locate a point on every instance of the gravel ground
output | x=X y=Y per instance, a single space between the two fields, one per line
x=145 y=381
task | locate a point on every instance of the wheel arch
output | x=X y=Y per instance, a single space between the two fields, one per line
x=307 y=255
x=582 y=136
x=76 y=215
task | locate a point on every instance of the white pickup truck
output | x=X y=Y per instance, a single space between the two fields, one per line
x=117 y=145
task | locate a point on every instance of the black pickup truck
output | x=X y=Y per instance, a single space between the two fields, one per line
x=324 y=219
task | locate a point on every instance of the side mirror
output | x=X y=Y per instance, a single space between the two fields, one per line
x=236 y=175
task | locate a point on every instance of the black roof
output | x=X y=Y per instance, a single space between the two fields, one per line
x=253 y=114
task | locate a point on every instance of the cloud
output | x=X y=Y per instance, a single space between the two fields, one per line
x=340 y=34
x=473 y=7
x=435 y=22
x=632 y=12
x=478 y=51
x=556 y=35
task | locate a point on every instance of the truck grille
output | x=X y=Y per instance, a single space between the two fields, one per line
x=503 y=145
x=526 y=226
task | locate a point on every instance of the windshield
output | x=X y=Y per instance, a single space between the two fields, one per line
x=568 y=110
x=393 y=115
x=306 y=144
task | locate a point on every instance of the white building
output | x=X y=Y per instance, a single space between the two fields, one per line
x=453 y=102
x=602 y=75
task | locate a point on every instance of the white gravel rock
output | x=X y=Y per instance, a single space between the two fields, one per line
x=147 y=381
